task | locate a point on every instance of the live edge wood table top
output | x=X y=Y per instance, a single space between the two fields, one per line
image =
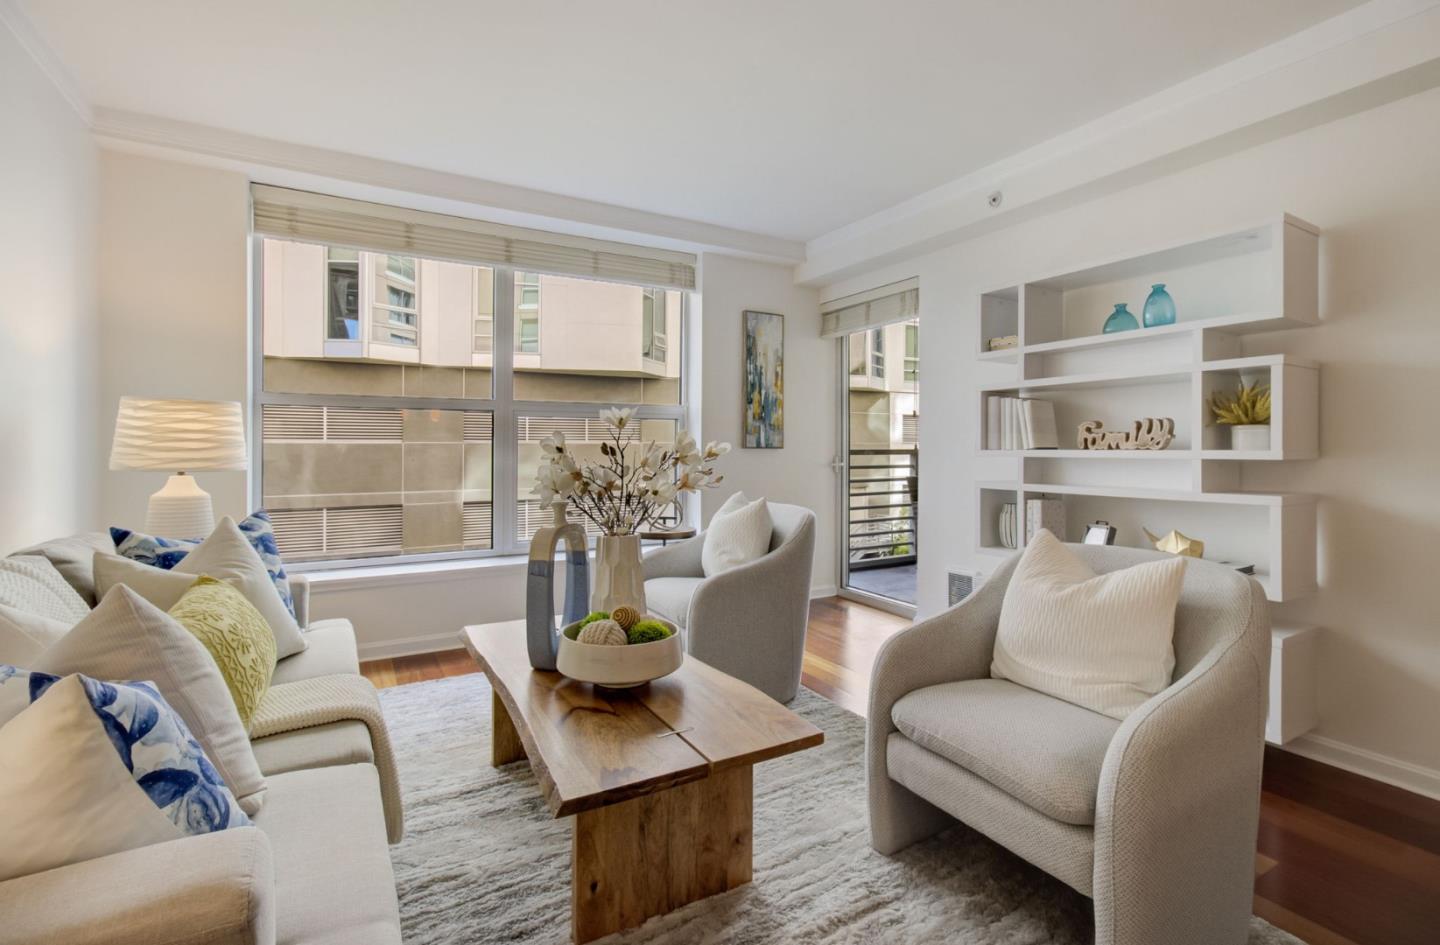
x=659 y=776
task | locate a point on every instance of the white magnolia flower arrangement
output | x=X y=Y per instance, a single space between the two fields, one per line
x=618 y=495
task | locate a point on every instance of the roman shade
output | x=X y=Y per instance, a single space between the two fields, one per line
x=317 y=218
x=897 y=302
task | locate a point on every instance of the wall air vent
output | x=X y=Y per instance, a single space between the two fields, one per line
x=962 y=584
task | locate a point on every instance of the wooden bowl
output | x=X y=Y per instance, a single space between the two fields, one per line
x=620 y=667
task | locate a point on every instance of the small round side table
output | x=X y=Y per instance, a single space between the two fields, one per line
x=677 y=534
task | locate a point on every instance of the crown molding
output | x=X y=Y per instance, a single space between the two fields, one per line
x=271 y=161
x=20 y=24
x=1373 y=53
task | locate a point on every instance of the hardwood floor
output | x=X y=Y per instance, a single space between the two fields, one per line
x=1340 y=859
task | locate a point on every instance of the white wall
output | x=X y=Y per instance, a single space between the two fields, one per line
x=174 y=294
x=49 y=464
x=1370 y=183
x=800 y=472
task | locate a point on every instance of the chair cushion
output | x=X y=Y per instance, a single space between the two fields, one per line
x=1102 y=641
x=330 y=649
x=1039 y=749
x=333 y=881
x=670 y=597
x=337 y=743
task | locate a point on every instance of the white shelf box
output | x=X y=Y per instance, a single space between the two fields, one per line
x=1274 y=532
x=999 y=317
x=990 y=497
x=1253 y=279
x=1294 y=407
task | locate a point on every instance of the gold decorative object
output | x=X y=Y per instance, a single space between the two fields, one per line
x=602 y=633
x=625 y=616
x=1151 y=433
x=1177 y=544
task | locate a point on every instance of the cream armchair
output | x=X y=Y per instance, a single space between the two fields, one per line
x=1154 y=817
x=749 y=621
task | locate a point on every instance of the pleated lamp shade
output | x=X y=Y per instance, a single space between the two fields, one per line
x=176 y=436
x=172 y=435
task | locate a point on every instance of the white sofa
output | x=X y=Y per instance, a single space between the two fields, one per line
x=315 y=872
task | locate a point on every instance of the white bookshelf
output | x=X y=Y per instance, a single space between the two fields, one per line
x=1226 y=285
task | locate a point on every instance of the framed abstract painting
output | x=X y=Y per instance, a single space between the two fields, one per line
x=764 y=419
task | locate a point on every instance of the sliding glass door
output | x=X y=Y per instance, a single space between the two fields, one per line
x=879 y=464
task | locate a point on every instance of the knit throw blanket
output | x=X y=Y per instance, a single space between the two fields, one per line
x=324 y=699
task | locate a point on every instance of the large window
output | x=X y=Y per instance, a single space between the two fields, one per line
x=912 y=354
x=383 y=436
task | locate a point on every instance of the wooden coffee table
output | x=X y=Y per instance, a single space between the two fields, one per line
x=658 y=777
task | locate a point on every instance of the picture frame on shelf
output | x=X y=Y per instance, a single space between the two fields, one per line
x=1099 y=533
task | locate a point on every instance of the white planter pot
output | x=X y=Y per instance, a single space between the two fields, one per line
x=620 y=667
x=1250 y=437
x=619 y=575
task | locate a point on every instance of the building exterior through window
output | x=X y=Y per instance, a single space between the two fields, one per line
x=381 y=432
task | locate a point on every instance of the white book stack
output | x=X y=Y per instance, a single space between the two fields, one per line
x=1013 y=423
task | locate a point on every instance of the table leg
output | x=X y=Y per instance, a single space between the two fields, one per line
x=505 y=745
x=653 y=854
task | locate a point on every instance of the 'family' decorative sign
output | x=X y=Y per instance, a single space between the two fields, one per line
x=1151 y=433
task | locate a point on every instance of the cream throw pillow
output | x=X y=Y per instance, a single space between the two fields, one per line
x=226 y=555
x=738 y=534
x=127 y=637
x=1104 y=642
x=25 y=635
x=65 y=795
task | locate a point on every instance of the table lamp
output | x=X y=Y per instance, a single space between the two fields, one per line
x=176 y=436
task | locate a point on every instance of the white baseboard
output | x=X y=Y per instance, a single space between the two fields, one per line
x=823 y=590
x=1370 y=764
x=410 y=646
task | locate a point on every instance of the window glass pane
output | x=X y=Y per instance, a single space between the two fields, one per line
x=345 y=482
x=583 y=436
x=589 y=342
x=316 y=340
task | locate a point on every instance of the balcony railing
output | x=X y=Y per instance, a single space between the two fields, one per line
x=882 y=491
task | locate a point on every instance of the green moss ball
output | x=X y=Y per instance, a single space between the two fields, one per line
x=647 y=631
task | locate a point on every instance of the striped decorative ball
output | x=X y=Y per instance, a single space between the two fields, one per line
x=626 y=617
x=602 y=633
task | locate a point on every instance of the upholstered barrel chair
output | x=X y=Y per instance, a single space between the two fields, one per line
x=1153 y=817
x=749 y=621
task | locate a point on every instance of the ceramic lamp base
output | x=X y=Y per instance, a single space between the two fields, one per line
x=180 y=510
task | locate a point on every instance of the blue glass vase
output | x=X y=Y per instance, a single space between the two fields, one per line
x=1121 y=320
x=1159 y=307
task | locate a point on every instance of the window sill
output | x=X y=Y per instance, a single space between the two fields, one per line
x=420 y=572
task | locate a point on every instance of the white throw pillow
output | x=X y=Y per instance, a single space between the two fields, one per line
x=127 y=637
x=226 y=555
x=65 y=795
x=1104 y=642
x=24 y=635
x=738 y=534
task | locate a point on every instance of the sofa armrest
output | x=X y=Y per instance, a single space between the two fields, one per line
x=213 y=889
x=300 y=596
x=677 y=559
x=1179 y=800
x=949 y=647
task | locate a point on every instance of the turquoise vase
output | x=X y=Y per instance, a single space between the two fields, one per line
x=1159 y=307
x=1122 y=320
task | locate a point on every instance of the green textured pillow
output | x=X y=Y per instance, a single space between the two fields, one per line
x=239 y=639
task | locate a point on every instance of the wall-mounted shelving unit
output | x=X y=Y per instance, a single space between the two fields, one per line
x=1226 y=285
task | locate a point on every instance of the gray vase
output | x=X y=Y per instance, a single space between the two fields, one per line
x=541 y=636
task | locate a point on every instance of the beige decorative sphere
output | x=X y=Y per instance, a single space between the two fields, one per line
x=602 y=633
x=625 y=616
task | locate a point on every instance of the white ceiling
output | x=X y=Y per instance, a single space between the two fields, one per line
x=781 y=117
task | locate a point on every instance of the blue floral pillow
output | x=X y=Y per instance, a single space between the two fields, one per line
x=153 y=743
x=166 y=552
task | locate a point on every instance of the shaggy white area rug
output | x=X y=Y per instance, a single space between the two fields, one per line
x=484 y=862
